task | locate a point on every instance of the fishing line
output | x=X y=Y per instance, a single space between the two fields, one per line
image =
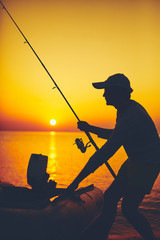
x=87 y=133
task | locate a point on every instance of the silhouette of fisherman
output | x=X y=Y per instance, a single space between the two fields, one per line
x=136 y=132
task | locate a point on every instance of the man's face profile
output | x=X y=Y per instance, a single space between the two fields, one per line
x=111 y=96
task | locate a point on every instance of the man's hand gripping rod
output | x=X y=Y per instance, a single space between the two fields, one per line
x=87 y=133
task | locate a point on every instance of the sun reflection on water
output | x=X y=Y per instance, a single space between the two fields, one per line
x=52 y=163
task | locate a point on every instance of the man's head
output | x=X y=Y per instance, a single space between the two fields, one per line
x=117 y=89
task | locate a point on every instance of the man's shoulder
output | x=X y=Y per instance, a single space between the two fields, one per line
x=134 y=114
x=138 y=114
x=136 y=107
x=136 y=104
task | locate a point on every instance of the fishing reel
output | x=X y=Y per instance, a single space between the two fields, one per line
x=80 y=145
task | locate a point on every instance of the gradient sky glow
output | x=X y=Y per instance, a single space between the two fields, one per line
x=79 y=42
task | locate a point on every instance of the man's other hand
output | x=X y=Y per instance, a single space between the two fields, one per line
x=83 y=126
x=73 y=186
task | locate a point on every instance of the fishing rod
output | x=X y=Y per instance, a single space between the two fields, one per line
x=87 y=133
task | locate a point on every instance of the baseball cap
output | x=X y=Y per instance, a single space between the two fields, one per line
x=118 y=79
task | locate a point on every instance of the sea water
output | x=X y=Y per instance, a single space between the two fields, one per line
x=65 y=161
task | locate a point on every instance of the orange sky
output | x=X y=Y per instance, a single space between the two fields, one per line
x=80 y=42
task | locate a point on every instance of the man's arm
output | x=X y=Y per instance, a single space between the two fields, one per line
x=94 y=162
x=89 y=168
x=101 y=132
x=119 y=135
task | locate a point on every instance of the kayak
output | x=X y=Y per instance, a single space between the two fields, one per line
x=33 y=217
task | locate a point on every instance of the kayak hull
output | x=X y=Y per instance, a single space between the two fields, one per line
x=63 y=218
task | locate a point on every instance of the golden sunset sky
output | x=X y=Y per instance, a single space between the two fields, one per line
x=80 y=42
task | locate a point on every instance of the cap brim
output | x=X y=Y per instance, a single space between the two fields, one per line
x=99 y=85
x=102 y=85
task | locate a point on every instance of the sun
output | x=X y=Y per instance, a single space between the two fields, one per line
x=53 y=122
